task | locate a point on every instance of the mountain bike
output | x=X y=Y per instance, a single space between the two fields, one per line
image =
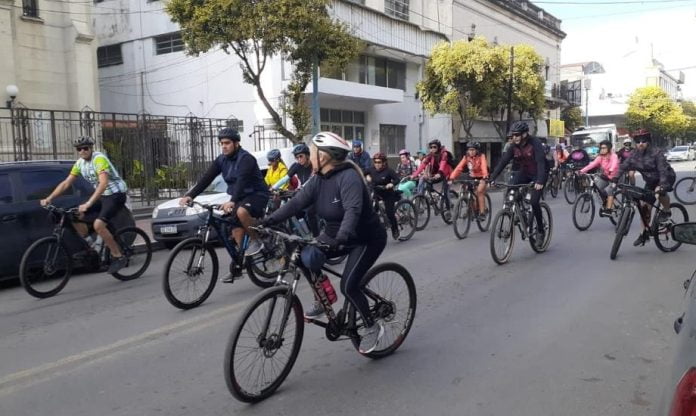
x=191 y=271
x=47 y=264
x=466 y=210
x=517 y=212
x=661 y=231
x=432 y=198
x=574 y=184
x=685 y=190
x=266 y=339
x=585 y=206
x=404 y=212
x=553 y=182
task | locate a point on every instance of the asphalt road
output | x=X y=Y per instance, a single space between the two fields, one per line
x=567 y=332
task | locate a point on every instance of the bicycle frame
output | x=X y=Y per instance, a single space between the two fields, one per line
x=220 y=227
x=514 y=203
x=66 y=223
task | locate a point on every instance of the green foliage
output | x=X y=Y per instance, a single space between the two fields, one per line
x=572 y=117
x=689 y=109
x=653 y=109
x=171 y=176
x=299 y=30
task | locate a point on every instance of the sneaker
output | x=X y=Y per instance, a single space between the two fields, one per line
x=315 y=311
x=254 y=247
x=370 y=337
x=482 y=217
x=234 y=274
x=117 y=264
x=642 y=239
x=604 y=212
x=664 y=216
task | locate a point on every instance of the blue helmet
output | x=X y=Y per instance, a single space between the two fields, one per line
x=358 y=143
x=300 y=149
x=273 y=155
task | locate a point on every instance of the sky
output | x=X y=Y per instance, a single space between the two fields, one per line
x=602 y=30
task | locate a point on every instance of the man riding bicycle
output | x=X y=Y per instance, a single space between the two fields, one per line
x=529 y=153
x=246 y=186
x=624 y=153
x=108 y=199
x=341 y=198
x=382 y=175
x=476 y=165
x=658 y=175
x=436 y=168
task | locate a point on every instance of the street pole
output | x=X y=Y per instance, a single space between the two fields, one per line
x=587 y=102
x=315 y=96
x=509 y=103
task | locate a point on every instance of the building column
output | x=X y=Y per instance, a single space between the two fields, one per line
x=8 y=69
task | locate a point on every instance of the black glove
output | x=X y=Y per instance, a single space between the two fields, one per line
x=267 y=221
x=328 y=241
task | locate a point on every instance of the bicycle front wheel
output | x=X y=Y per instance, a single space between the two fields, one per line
x=502 y=237
x=422 y=206
x=485 y=222
x=461 y=219
x=569 y=191
x=135 y=245
x=446 y=213
x=264 y=344
x=583 y=211
x=190 y=273
x=263 y=268
x=555 y=184
x=406 y=219
x=548 y=230
x=685 y=190
x=621 y=230
x=663 y=231
x=45 y=268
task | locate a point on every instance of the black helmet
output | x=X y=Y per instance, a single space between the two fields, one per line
x=473 y=145
x=83 y=141
x=300 y=149
x=273 y=155
x=229 y=133
x=519 y=127
x=435 y=142
x=606 y=143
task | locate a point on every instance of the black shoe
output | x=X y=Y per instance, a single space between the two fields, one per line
x=395 y=234
x=642 y=239
x=117 y=263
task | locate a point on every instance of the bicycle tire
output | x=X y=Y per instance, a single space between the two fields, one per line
x=555 y=185
x=584 y=204
x=483 y=225
x=548 y=228
x=388 y=312
x=504 y=231
x=406 y=218
x=35 y=264
x=621 y=231
x=257 y=266
x=685 y=190
x=665 y=230
x=461 y=219
x=135 y=245
x=191 y=277
x=422 y=206
x=569 y=191
x=233 y=372
x=445 y=213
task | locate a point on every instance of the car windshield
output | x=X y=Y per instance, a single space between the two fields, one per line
x=680 y=149
x=218 y=185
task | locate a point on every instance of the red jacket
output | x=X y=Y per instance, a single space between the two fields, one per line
x=437 y=163
x=479 y=167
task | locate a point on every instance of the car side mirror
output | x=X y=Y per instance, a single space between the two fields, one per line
x=685 y=232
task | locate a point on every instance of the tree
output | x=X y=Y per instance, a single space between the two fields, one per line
x=572 y=117
x=255 y=31
x=689 y=109
x=651 y=108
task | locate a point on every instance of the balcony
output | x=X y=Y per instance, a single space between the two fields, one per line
x=332 y=90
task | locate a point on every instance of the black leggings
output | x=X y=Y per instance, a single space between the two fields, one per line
x=521 y=178
x=390 y=199
x=360 y=259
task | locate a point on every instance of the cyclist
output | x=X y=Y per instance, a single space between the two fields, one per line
x=608 y=162
x=340 y=196
x=420 y=155
x=436 y=168
x=475 y=163
x=380 y=174
x=108 y=199
x=359 y=156
x=246 y=186
x=277 y=169
x=579 y=157
x=559 y=156
x=624 y=154
x=302 y=169
x=405 y=169
x=658 y=175
x=529 y=153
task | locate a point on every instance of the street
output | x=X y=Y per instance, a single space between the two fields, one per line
x=566 y=332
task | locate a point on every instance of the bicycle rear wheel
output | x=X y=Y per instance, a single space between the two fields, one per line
x=685 y=190
x=461 y=219
x=391 y=295
x=190 y=273
x=135 y=245
x=663 y=232
x=422 y=206
x=583 y=211
x=257 y=361
x=406 y=219
x=621 y=230
x=502 y=237
x=486 y=222
x=263 y=268
x=45 y=268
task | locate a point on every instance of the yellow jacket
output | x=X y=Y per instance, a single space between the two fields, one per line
x=274 y=175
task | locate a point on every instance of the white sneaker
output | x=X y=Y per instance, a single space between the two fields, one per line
x=254 y=247
x=370 y=338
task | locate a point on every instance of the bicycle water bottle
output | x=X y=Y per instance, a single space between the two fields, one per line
x=304 y=229
x=328 y=289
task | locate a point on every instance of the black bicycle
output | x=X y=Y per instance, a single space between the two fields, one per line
x=553 y=183
x=47 y=265
x=660 y=231
x=266 y=339
x=466 y=210
x=192 y=268
x=404 y=213
x=685 y=190
x=585 y=206
x=517 y=212
x=574 y=184
x=435 y=200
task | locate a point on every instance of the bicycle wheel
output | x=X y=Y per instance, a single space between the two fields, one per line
x=391 y=294
x=483 y=225
x=263 y=268
x=190 y=273
x=555 y=184
x=621 y=230
x=257 y=361
x=663 y=232
x=445 y=213
x=569 y=191
x=422 y=206
x=583 y=211
x=45 y=268
x=406 y=219
x=548 y=229
x=461 y=219
x=135 y=245
x=685 y=190
x=502 y=237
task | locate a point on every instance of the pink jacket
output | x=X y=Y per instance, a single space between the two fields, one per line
x=609 y=165
x=442 y=167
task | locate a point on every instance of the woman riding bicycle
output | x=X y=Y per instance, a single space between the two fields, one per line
x=608 y=162
x=476 y=165
x=340 y=196
x=405 y=169
x=380 y=174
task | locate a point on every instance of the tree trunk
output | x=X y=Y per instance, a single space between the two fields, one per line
x=274 y=114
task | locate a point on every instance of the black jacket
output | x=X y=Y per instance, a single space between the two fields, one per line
x=241 y=173
x=530 y=157
x=652 y=164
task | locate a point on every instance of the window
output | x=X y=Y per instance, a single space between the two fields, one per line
x=5 y=190
x=39 y=184
x=396 y=8
x=109 y=55
x=347 y=124
x=169 y=43
x=30 y=8
x=392 y=138
x=382 y=72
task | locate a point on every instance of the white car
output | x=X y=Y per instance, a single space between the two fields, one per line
x=681 y=153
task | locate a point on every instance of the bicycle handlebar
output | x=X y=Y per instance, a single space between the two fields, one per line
x=292 y=238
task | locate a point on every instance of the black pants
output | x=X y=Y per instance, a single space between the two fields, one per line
x=390 y=199
x=521 y=178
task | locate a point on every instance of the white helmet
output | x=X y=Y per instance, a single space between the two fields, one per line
x=332 y=144
x=627 y=140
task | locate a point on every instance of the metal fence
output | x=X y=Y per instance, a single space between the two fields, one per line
x=158 y=156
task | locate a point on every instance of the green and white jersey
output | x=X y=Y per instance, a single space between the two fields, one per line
x=90 y=170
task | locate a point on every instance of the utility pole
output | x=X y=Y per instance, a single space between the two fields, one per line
x=142 y=92
x=315 y=96
x=587 y=102
x=509 y=103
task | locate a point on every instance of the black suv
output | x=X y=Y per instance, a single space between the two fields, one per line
x=22 y=220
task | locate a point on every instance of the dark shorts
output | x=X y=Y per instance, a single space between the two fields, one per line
x=255 y=204
x=106 y=208
x=651 y=185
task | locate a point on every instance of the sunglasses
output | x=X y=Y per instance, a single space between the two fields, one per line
x=433 y=147
x=516 y=135
x=641 y=140
x=81 y=148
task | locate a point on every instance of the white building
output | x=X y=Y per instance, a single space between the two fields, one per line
x=143 y=67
